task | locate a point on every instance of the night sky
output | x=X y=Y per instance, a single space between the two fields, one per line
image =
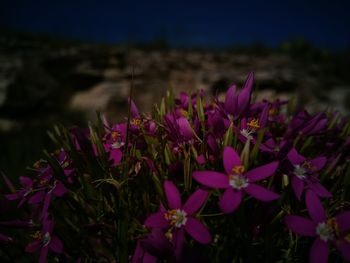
x=213 y=23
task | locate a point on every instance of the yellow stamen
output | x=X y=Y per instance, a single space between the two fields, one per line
x=43 y=181
x=254 y=124
x=115 y=135
x=347 y=238
x=309 y=166
x=184 y=112
x=334 y=225
x=37 y=164
x=239 y=169
x=136 y=122
x=272 y=111
x=36 y=235
x=169 y=235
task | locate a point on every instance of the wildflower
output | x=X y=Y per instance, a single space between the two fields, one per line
x=237 y=104
x=44 y=241
x=180 y=217
x=326 y=231
x=237 y=180
x=305 y=173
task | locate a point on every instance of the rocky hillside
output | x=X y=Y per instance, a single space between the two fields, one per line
x=45 y=80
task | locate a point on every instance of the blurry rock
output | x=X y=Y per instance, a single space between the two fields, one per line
x=99 y=97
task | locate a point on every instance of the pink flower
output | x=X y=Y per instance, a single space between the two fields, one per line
x=236 y=181
x=326 y=231
x=179 y=218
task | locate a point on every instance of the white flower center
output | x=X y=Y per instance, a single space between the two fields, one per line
x=46 y=239
x=247 y=133
x=300 y=171
x=176 y=217
x=325 y=231
x=117 y=145
x=238 y=181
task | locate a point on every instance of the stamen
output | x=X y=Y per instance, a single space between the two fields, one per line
x=184 y=112
x=238 y=181
x=136 y=122
x=115 y=135
x=325 y=231
x=239 y=169
x=36 y=235
x=176 y=217
x=254 y=124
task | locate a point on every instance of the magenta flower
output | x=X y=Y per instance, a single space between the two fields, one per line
x=326 y=231
x=238 y=103
x=44 y=241
x=305 y=173
x=114 y=140
x=180 y=217
x=236 y=181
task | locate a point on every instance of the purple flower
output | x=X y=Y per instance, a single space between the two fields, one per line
x=44 y=241
x=326 y=231
x=305 y=124
x=236 y=181
x=238 y=103
x=180 y=217
x=305 y=172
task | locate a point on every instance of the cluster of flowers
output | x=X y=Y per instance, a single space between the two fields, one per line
x=249 y=173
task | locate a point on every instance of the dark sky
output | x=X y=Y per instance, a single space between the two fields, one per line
x=215 y=23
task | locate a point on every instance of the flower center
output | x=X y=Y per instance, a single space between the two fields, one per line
x=176 y=217
x=308 y=166
x=117 y=145
x=184 y=113
x=325 y=231
x=253 y=124
x=299 y=171
x=136 y=122
x=115 y=135
x=238 y=169
x=247 y=133
x=36 y=235
x=238 y=181
x=46 y=239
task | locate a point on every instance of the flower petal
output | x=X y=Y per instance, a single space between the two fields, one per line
x=318 y=162
x=262 y=172
x=37 y=197
x=230 y=200
x=300 y=225
x=172 y=195
x=344 y=247
x=320 y=190
x=59 y=189
x=195 y=201
x=294 y=157
x=156 y=220
x=197 y=231
x=315 y=207
x=343 y=220
x=185 y=128
x=178 y=238
x=43 y=254
x=115 y=156
x=319 y=251
x=33 y=246
x=231 y=100
x=298 y=186
x=244 y=96
x=211 y=179
x=56 y=245
x=261 y=193
x=231 y=159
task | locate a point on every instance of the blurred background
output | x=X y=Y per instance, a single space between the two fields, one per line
x=60 y=61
